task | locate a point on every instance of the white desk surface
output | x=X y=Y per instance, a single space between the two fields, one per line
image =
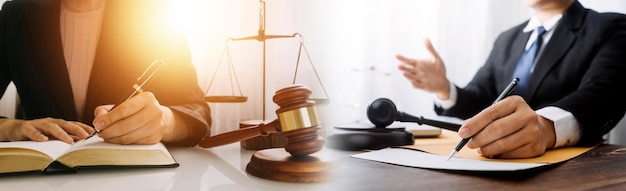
x=216 y=169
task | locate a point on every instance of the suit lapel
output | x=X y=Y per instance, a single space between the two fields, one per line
x=45 y=28
x=562 y=40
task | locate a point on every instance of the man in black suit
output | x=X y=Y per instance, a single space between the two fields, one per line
x=570 y=94
x=72 y=59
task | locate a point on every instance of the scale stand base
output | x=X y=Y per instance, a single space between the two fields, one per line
x=278 y=164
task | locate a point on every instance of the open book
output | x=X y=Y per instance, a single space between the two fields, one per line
x=54 y=156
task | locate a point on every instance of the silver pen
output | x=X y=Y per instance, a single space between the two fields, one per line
x=152 y=69
x=506 y=92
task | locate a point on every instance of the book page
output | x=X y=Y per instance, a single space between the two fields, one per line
x=52 y=148
x=96 y=142
x=414 y=158
x=95 y=152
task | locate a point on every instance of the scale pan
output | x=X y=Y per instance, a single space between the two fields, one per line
x=226 y=99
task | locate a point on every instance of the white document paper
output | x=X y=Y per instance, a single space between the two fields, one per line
x=414 y=158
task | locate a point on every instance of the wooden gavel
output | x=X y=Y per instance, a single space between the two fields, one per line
x=297 y=120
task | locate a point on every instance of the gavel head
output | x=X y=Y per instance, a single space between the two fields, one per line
x=382 y=112
x=299 y=121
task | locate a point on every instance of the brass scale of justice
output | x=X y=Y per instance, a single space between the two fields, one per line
x=298 y=122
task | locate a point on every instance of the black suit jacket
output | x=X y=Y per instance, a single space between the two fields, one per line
x=134 y=34
x=582 y=70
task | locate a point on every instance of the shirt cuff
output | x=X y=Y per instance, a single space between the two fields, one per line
x=566 y=126
x=447 y=104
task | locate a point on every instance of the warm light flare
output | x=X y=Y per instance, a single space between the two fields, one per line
x=184 y=14
x=207 y=25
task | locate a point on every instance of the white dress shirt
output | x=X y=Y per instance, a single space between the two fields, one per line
x=566 y=127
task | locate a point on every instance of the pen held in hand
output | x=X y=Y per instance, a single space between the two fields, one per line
x=142 y=80
x=506 y=92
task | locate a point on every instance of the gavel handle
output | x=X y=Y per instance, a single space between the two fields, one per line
x=240 y=134
x=404 y=117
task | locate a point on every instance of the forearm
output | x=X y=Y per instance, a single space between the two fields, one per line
x=179 y=131
x=448 y=102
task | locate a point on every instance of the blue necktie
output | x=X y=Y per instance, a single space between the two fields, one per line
x=523 y=69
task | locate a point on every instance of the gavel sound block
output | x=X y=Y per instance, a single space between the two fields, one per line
x=298 y=121
x=382 y=112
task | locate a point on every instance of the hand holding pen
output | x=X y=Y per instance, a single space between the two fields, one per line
x=506 y=92
x=137 y=88
x=509 y=129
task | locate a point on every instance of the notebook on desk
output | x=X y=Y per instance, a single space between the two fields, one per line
x=431 y=153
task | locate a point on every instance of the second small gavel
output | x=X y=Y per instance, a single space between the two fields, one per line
x=382 y=112
x=297 y=120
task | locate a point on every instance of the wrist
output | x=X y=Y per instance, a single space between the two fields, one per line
x=547 y=126
x=6 y=127
x=444 y=93
x=179 y=130
x=169 y=123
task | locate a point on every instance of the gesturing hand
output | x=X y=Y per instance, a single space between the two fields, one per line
x=428 y=74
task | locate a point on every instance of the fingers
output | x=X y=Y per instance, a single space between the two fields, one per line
x=129 y=125
x=518 y=145
x=136 y=121
x=101 y=110
x=147 y=134
x=127 y=108
x=431 y=49
x=428 y=74
x=510 y=122
x=139 y=120
x=407 y=61
x=80 y=130
x=63 y=130
x=507 y=129
x=30 y=133
x=489 y=115
x=130 y=131
x=411 y=71
x=43 y=129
